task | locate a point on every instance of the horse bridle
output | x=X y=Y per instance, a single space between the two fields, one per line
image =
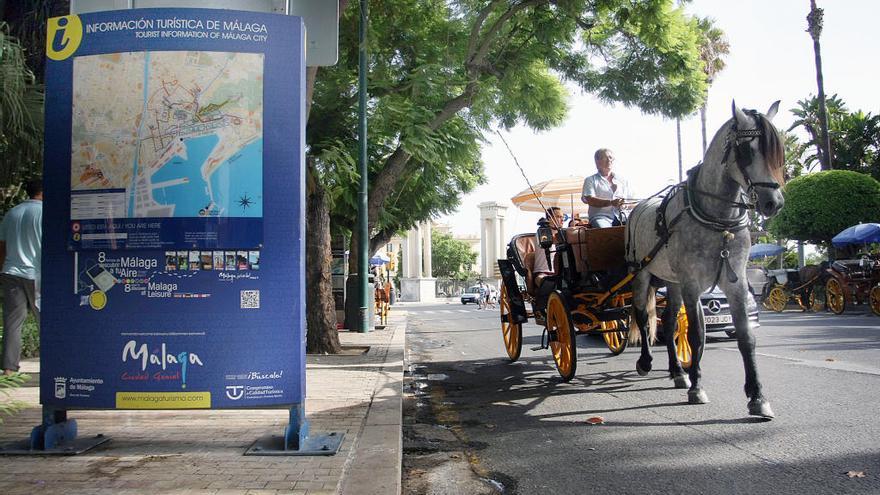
x=742 y=151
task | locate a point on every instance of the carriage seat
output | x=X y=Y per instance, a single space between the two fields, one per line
x=782 y=275
x=522 y=245
x=757 y=279
x=597 y=249
x=523 y=258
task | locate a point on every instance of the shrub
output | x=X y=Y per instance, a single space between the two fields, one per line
x=818 y=206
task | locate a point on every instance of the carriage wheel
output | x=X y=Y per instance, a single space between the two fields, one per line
x=776 y=299
x=834 y=296
x=817 y=297
x=562 y=342
x=510 y=332
x=615 y=336
x=682 y=347
x=875 y=300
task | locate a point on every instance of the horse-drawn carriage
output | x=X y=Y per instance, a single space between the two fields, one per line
x=691 y=239
x=382 y=300
x=592 y=293
x=853 y=281
x=806 y=286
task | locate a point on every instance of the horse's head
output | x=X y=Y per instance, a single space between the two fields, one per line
x=758 y=157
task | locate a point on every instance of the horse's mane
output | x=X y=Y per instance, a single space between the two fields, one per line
x=771 y=146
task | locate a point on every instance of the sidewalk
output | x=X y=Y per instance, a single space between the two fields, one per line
x=202 y=451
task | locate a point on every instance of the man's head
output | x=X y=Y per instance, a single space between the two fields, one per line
x=555 y=216
x=604 y=158
x=34 y=188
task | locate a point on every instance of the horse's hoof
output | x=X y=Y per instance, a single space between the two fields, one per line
x=760 y=407
x=642 y=370
x=697 y=397
x=682 y=381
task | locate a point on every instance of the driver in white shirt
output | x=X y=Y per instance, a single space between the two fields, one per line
x=605 y=191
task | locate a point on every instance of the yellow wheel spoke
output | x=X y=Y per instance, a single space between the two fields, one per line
x=682 y=347
x=875 y=300
x=835 y=296
x=510 y=332
x=563 y=347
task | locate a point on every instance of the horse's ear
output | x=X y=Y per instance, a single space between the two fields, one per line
x=738 y=114
x=771 y=112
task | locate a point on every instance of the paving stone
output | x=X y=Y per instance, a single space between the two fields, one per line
x=201 y=451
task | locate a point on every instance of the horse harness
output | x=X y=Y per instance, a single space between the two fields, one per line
x=743 y=157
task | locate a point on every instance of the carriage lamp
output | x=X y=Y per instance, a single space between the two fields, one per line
x=544 y=234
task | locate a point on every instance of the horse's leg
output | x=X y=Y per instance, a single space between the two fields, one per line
x=745 y=338
x=696 y=338
x=641 y=294
x=670 y=325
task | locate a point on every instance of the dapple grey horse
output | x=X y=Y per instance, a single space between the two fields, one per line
x=697 y=236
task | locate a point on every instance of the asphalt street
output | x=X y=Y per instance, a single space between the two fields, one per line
x=520 y=429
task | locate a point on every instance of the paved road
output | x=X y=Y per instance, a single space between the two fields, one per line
x=517 y=428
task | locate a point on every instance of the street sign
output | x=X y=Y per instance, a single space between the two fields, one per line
x=173 y=255
x=321 y=18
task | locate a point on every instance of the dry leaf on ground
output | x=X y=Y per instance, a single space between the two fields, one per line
x=596 y=420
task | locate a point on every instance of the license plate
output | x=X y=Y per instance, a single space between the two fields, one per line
x=718 y=319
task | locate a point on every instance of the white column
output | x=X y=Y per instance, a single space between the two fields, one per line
x=410 y=248
x=429 y=270
x=417 y=252
x=493 y=238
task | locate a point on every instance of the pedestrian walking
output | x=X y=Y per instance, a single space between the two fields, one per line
x=21 y=233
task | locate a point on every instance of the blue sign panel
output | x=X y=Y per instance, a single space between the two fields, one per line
x=174 y=229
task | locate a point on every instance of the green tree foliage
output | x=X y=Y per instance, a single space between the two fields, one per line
x=794 y=150
x=8 y=383
x=818 y=206
x=713 y=48
x=21 y=120
x=443 y=73
x=855 y=136
x=450 y=257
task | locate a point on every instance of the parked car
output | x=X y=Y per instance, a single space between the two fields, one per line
x=471 y=294
x=716 y=312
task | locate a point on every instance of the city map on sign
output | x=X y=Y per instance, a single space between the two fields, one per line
x=167 y=134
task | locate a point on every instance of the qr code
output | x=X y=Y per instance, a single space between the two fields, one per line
x=250 y=299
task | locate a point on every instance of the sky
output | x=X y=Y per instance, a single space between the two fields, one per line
x=771 y=58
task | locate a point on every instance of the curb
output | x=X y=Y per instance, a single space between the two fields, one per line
x=375 y=465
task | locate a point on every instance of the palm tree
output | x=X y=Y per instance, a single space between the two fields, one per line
x=814 y=27
x=713 y=46
x=21 y=118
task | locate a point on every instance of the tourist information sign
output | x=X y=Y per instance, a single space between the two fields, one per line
x=174 y=235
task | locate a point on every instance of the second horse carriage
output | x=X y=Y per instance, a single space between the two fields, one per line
x=854 y=279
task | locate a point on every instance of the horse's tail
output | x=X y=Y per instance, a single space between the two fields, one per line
x=635 y=336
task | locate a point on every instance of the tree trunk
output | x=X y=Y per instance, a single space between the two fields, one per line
x=703 y=126
x=814 y=21
x=678 y=140
x=322 y=336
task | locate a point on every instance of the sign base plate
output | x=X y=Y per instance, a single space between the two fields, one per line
x=70 y=447
x=314 y=444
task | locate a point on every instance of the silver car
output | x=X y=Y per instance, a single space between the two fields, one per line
x=716 y=312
